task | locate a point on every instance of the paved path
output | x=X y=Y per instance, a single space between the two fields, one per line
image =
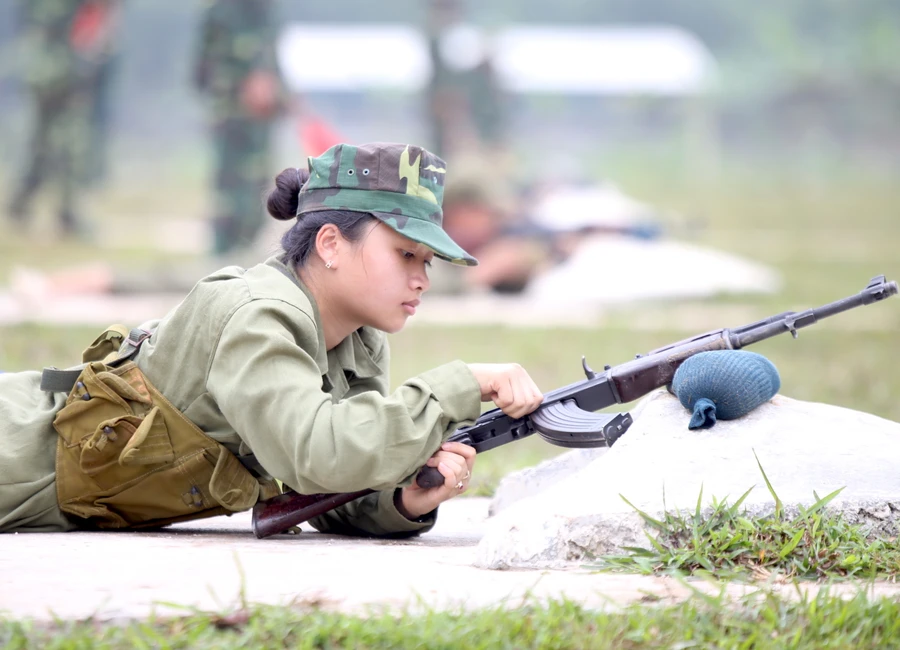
x=217 y=564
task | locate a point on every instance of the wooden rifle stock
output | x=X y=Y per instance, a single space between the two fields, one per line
x=290 y=509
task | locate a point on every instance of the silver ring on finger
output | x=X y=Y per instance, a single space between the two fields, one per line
x=459 y=486
x=468 y=474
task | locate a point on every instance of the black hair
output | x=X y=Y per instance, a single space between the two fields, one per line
x=300 y=240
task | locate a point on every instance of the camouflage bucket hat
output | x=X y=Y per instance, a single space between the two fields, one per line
x=402 y=185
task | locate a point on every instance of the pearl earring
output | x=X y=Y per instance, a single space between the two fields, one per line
x=328 y=264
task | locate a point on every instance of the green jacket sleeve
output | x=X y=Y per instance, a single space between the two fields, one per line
x=265 y=380
x=374 y=514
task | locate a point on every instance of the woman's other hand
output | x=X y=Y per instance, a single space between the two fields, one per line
x=509 y=386
x=454 y=461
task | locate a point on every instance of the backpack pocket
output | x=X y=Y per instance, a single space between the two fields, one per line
x=126 y=457
x=125 y=441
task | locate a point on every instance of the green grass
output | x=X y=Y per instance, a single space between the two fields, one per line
x=759 y=621
x=726 y=543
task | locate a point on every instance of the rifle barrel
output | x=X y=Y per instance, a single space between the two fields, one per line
x=878 y=289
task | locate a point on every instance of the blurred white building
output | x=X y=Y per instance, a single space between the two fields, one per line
x=608 y=60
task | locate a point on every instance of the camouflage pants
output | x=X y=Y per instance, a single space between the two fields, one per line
x=57 y=151
x=242 y=175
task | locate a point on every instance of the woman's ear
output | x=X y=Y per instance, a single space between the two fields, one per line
x=328 y=241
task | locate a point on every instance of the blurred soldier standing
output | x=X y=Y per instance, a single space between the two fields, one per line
x=444 y=100
x=464 y=102
x=100 y=86
x=64 y=43
x=237 y=71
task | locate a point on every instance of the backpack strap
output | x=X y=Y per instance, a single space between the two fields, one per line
x=54 y=380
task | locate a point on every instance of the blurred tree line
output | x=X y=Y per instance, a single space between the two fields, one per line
x=798 y=69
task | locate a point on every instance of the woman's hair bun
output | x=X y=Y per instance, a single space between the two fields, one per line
x=282 y=201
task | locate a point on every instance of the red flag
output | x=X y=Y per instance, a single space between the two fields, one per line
x=316 y=135
x=89 y=26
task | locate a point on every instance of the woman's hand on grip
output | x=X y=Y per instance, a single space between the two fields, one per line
x=455 y=462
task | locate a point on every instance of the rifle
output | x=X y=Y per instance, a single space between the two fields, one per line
x=566 y=417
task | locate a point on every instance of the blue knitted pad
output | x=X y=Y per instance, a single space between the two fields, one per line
x=724 y=385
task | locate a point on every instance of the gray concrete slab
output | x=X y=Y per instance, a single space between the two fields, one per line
x=217 y=564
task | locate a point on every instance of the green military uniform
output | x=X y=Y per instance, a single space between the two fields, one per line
x=56 y=75
x=243 y=358
x=237 y=39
